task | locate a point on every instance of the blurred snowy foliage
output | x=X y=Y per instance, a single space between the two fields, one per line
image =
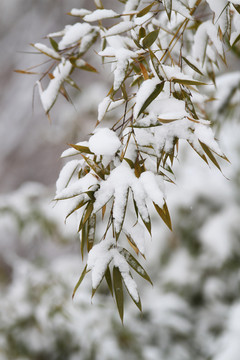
x=192 y=311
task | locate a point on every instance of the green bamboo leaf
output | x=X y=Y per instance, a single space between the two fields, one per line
x=53 y=43
x=150 y=38
x=135 y=265
x=79 y=281
x=237 y=39
x=109 y=280
x=145 y=10
x=130 y=162
x=135 y=207
x=209 y=154
x=147 y=225
x=83 y=239
x=142 y=33
x=191 y=65
x=79 y=205
x=237 y=7
x=118 y=290
x=80 y=148
x=154 y=94
x=87 y=212
x=164 y=214
x=95 y=167
x=188 y=82
x=201 y=155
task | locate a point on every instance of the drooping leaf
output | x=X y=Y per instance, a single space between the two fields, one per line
x=84 y=272
x=168 y=8
x=109 y=280
x=209 y=154
x=150 y=39
x=118 y=291
x=152 y=96
x=156 y=64
x=77 y=207
x=164 y=214
x=53 y=43
x=135 y=265
x=191 y=65
x=132 y=243
x=237 y=7
x=83 y=239
x=236 y=40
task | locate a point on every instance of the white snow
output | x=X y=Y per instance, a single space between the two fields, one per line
x=66 y=174
x=104 y=142
x=123 y=57
x=99 y=258
x=49 y=95
x=151 y=186
x=48 y=51
x=80 y=12
x=146 y=89
x=120 y=28
x=100 y=14
x=73 y=33
x=78 y=187
x=103 y=107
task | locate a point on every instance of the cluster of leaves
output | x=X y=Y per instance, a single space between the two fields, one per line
x=161 y=54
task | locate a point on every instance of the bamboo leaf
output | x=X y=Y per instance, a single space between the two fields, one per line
x=80 y=148
x=83 y=239
x=237 y=39
x=79 y=281
x=53 y=43
x=154 y=94
x=118 y=291
x=237 y=7
x=145 y=10
x=188 y=82
x=94 y=166
x=164 y=214
x=150 y=38
x=135 y=265
x=168 y=8
x=209 y=154
x=130 y=162
x=109 y=280
x=132 y=243
x=142 y=33
x=191 y=65
x=155 y=63
x=79 y=205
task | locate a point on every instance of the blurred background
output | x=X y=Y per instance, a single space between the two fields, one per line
x=193 y=309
